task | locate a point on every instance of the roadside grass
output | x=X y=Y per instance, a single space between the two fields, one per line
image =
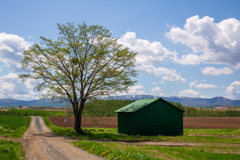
x=110 y=134
x=10 y=150
x=111 y=153
x=31 y=112
x=111 y=150
x=14 y=126
x=213 y=132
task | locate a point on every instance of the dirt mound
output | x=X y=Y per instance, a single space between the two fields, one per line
x=188 y=122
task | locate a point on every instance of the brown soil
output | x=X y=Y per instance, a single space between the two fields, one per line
x=188 y=122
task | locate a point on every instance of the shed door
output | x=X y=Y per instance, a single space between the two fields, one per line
x=159 y=123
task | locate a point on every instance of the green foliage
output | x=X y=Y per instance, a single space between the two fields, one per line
x=13 y=126
x=199 y=112
x=30 y=112
x=177 y=104
x=104 y=108
x=60 y=115
x=110 y=153
x=10 y=150
x=84 y=62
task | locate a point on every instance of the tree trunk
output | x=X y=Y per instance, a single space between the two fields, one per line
x=78 y=118
x=77 y=125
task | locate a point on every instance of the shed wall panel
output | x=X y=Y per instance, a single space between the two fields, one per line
x=125 y=123
x=158 y=118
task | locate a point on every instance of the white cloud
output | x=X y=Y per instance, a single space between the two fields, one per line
x=167 y=74
x=211 y=42
x=153 y=82
x=13 y=87
x=0 y=69
x=232 y=91
x=189 y=93
x=202 y=85
x=211 y=71
x=190 y=59
x=135 y=90
x=161 y=82
x=30 y=37
x=157 y=92
x=148 y=53
x=11 y=48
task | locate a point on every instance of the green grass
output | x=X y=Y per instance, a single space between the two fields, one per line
x=31 y=112
x=213 y=132
x=111 y=153
x=13 y=126
x=10 y=150
x=121 y=151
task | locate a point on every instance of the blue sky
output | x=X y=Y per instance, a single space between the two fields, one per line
x=185 y=48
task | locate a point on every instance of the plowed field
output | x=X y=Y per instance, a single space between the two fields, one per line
x=188 y=122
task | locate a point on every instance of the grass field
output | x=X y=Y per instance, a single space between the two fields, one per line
x=13 y=126
x=10 y=150
x=31 y=112
x=205 y=144
x=121 y=151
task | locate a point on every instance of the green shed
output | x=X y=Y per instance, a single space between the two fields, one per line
x=153 y=116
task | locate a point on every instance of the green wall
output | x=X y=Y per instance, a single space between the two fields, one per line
x=158 y=118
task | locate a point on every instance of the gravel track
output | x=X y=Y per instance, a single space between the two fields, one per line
x=40 y=143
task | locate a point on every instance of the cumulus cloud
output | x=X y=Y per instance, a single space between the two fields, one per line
x=135 y=90
x=233 y=90
x=13 y=87
x=189 y=93
x=211 y=71
x=167 y=74
x=148 y=53
x=211 y=42
x=202 y=85
x=157 y=92
x=11 y=48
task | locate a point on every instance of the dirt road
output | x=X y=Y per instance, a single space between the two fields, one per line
x=41 y=144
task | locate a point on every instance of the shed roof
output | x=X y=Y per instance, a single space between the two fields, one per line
x=132 y=107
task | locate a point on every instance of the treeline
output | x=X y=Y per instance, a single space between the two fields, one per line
x=199 y=112
x=104 y=108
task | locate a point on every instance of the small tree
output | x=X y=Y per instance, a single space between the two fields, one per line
x=84 y=62
x=20 y=106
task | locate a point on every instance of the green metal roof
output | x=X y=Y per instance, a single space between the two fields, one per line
x=132 y=107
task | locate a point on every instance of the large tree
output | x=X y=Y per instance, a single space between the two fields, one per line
x=82 y=63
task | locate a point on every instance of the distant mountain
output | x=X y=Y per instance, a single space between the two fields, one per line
x=132 y=97
x=40 y=102
x=186 y=101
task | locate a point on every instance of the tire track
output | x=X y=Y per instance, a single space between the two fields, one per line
x=40 y=143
